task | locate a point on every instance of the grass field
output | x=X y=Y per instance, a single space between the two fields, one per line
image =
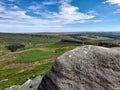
x=15 y=77
x=16 y=67
x=33 y=55
x=27 y=64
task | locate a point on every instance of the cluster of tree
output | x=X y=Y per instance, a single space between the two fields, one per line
x=112 y=35
x=70 y=41
x=79 y=42
x=15 y=47
x=46 y=36
x=107 y=44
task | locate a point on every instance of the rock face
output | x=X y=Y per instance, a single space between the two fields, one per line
x=84 y=68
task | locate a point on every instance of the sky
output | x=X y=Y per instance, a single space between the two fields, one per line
x=24 y=16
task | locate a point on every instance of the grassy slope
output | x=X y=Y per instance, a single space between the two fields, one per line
x=20 y=69
x=23 y=38
x=33 y=55
x=35 y=59
x=15 y=78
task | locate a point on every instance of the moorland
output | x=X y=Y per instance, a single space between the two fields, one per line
x=25 y=56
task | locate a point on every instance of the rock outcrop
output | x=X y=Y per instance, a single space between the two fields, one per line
x=84 y=68
x=28 y=85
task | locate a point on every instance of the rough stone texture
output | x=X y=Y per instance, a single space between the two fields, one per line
x=84 y=68
x=28 y=85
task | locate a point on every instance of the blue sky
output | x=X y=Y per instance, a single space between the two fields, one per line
x=21 y=16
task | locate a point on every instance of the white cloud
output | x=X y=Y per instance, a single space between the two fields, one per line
x=2 y=8
x=11 y=14
x=92 y=12
x=35 y=7
x=50 y=3
x=15 y=17
x=68 y=14
x=117 y=2
x=19 y=19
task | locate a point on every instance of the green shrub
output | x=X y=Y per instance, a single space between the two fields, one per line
x=14 y=47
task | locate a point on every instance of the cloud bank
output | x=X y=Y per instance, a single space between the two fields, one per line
x=16 y=17
x=117 y=2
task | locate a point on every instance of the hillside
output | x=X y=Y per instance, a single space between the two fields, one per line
x=25 y=56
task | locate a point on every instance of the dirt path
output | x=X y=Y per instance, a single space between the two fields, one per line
x=30 y=65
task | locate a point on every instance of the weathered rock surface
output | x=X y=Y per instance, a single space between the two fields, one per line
x=84 y=68
x=28 y=85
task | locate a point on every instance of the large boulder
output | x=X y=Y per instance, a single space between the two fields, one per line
x=84 y=68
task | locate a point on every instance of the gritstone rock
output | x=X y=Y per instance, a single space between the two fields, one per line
x=84 y=68
x=28 y=85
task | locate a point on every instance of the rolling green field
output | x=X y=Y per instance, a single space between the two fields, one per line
x=38 y=52
x=36 y=58
x=33 y=55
